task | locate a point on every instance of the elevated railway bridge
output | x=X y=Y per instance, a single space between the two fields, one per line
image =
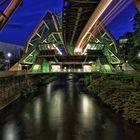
x=76 y=41
x=78 y=34
x=80 y=30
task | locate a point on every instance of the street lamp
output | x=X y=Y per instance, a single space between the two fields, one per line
x=9 y=55
x=139 y=54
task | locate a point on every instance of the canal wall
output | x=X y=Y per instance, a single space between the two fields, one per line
x=11 y=85
x=120 y=91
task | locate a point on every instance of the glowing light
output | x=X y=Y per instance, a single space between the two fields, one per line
x=48 y=91
x=57 y=49
x=37 y=111
x=87 y=111
x=87 y=68
x=9 y=54
x=79 y=70
x=36 y=67
x=85 y=104
x=139 y=55
x=10 y=131
x=56 y=109
x=55 y=68
x=85 y=50
x=77 y=50
x=95 y=16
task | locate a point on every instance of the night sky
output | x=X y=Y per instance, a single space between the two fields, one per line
x=26 y=17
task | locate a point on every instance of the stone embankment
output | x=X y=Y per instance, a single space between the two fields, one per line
x=11 y=85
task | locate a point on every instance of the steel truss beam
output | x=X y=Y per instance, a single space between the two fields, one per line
x=100 y=35
x=47 y=31
x=75 y=16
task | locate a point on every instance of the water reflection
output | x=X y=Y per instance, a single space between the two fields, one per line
x=62 y=112
x=10 y=131
x=87 y=111
x=56 y=108
x=37 y=111
x=48 y=92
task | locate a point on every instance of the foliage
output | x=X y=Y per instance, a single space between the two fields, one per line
x=48 y=78
x=132 y=107
x=136 y=25
x=28 y=91
x=121 y=92
x=87 y=80
x=132 y=47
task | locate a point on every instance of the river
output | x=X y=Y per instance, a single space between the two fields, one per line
x=62 y=111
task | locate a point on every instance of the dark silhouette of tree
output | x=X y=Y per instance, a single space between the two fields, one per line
x=136 y=27
x=131 y=48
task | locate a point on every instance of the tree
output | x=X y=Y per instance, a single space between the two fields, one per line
x=131 y=48
x=136 y=27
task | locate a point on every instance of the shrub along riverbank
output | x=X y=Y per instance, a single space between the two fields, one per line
x=120 y=91
x=31 y=90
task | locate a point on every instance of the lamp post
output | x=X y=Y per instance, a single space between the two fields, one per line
x=139 y=54
x=9 y=55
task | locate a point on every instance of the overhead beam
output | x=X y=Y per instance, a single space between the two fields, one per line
x=76 y=24
x=7 y=13
x=92 y=21
x=137 y=2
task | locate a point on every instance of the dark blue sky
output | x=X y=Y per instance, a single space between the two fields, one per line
x=26 y=17
x=123 y=22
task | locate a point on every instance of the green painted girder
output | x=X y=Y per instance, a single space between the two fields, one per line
x=47 y=31
x=110 y=46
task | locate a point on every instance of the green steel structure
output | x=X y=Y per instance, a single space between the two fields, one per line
x=42 y=51
x=101 y=39
x=46 y=36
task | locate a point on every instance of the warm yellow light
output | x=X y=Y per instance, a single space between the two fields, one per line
x=78 y=50
x=85 y=104
x=95 y=16
x=139 y=55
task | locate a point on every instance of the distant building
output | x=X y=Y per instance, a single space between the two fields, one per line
x=7 y=60
x=14 y=49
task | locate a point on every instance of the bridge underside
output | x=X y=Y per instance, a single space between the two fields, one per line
x=83 y=63
x=51 y=45
x=76 y=13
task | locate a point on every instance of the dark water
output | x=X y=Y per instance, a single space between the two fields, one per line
x=63 y=112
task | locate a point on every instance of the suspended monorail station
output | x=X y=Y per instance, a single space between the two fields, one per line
x=76 y=40
x=71 y=82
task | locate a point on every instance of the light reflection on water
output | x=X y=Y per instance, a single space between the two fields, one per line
x=56 y=108
x=87 y=111
x=37 y=111
x=63 y=113
x=48 y=92
x=11 y=131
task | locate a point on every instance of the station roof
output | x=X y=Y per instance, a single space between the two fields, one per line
x=74 y=58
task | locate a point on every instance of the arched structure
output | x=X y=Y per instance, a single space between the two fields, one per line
x=84 y=34
x=46 y=37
